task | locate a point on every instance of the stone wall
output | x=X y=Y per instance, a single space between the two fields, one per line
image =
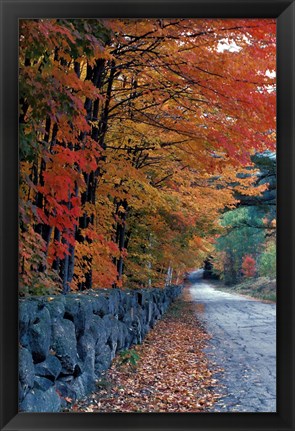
x=66 y=342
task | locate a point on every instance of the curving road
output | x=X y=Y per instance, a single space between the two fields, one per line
x=243 y=343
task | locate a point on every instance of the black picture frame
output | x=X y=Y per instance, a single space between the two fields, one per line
x=11 y=11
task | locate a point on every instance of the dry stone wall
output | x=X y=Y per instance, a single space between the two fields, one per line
x=67 y=341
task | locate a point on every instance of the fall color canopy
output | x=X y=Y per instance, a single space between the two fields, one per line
x=132 y=132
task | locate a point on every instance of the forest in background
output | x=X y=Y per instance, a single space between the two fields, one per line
x=145 y=147
x=247 y=246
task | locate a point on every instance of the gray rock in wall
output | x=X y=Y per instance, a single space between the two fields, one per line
x=64 y=344
x=64 y=390
x=42 y=383
x=114 y=332
x=110 y=327
x=41 y=401
x=128 y=317
x=113 y=301
x=82 y=385
x=100 y=305
x=136 y=331
x=26 y=371
x=26 y=314
x=78 y=309
x=50 y=368
x=103 y=359
x=86 y=345
x=124 y=340
x=121 y=311
x=56 y=307
x=86 y=351
x=21 y=393
x=40 y=335
x=98 y=330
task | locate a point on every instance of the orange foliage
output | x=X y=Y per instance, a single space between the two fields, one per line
x=131 y=136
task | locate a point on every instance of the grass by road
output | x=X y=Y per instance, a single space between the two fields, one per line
x=259 y=288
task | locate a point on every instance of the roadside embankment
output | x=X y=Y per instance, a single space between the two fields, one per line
x=261 y=288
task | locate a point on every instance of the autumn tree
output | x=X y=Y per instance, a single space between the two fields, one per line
x=248 y=266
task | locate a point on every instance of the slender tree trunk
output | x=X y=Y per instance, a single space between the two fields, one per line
x=64 y=268
x=71 y=263
x=120 y=234
x=56 y=236
x=96 y=76
x=105 y=114
x=121 y=241
x=169 y=276
x=41 y=228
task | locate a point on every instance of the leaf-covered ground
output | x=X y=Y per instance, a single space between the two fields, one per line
x=172 y=373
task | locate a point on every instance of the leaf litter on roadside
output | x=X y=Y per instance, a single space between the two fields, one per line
x=171 y=373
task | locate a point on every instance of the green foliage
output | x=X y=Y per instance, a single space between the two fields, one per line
x=129 y=357
x=242 y=238
x=267 y=261
x=28 y=145
x=250 y=229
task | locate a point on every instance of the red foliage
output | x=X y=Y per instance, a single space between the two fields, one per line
x=122 y=121
x=249 y=266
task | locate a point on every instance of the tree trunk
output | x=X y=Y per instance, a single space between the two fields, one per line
x=55 y=264
x=96 y=76
x=120 y=237
x=64 y=268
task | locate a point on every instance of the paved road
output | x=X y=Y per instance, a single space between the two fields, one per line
x=243 y=343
